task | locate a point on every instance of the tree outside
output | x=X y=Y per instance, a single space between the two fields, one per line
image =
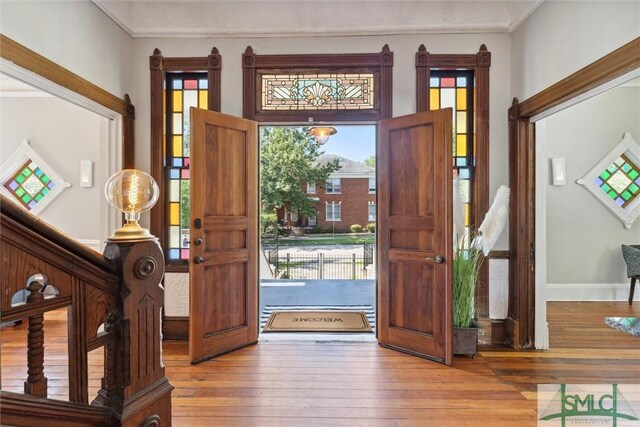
x=287 y=159
x=370 y=161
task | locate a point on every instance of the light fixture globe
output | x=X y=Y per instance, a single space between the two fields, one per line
x=132 y=192
x=322 y=133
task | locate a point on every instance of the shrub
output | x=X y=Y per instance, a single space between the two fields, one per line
x=356 y=228
x=371 y=227
x=267 y=219
x=269 y=231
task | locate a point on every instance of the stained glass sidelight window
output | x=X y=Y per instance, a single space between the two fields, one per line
x=342 y=91
x=183 y=91
x=455 y=89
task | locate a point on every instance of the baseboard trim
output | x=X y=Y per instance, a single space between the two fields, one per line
x=175 y=328
x=589 y=292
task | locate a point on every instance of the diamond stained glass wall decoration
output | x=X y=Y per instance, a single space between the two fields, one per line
x=620 y=181
x=183 y=91
x=319 y=91
x=615 y=180
x=29 y=180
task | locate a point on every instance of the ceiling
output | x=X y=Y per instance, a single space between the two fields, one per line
x=282 y=18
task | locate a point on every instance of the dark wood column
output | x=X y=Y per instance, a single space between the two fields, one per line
x=520 y=320
x=142 y=392
x=158 y=151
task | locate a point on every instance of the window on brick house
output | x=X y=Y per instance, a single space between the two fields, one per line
x=372 y=185
x=311 y=187
x=372 y=211
x=333 y=211
x=333 y=186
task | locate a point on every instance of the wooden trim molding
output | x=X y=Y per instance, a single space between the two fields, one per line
x=159 y=66
x=498 y=255
x=479 y=63
x=607 y=68
x=24 y=57
x=381 y=64
x=175 y=328
x=520 y=323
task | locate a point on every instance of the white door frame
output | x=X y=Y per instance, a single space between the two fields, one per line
x=541 y=326
x=111 y=135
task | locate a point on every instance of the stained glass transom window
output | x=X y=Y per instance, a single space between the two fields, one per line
x=29 y=180
x=620 y=181
x=615 y=180
x=183 y=91
x=342 y=91
x=455 y=89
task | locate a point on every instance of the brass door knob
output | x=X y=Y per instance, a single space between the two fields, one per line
x=198 y=260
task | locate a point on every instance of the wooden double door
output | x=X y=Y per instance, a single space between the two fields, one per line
x=414 y=234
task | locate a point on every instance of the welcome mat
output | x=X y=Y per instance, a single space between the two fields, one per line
x=318 y=321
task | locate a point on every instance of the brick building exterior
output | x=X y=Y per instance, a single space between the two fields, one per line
x=348 y=197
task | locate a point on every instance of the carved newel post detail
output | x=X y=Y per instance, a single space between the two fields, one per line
x=36 y=383
x=142 y=392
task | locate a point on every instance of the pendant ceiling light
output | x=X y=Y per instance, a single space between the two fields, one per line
x=322 y=133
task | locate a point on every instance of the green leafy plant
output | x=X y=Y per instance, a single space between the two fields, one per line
x=466 y=264
x=470 y=250
x=371 y=227
x=267 y=219
x=356 y=228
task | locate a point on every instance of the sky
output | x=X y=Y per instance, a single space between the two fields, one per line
x=355 y=142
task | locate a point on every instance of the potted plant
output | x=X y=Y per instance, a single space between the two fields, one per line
x=466 y=264
x=470 y=251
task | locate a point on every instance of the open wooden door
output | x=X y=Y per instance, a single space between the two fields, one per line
x=415 y=246
x=224 y=234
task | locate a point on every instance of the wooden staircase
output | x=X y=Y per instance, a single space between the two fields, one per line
x=114 y=303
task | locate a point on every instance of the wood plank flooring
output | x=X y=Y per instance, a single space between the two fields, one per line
x=360 y=384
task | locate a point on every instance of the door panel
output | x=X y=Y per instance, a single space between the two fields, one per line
x=224 y=216
x=415 y=226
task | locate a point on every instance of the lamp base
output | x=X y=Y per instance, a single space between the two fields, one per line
x=131 y=232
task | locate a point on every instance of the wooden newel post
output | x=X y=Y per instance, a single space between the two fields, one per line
x=142 y=392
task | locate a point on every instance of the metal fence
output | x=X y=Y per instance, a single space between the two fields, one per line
x=319 y=266
x=368 y=253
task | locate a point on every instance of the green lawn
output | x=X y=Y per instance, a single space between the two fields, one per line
x=317 y=240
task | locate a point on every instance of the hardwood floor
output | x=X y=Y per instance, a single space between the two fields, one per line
x=360 y=384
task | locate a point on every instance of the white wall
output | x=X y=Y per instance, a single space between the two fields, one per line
x=561 y=37
x=74 y=34
x=583 y=237
x=62 y=134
